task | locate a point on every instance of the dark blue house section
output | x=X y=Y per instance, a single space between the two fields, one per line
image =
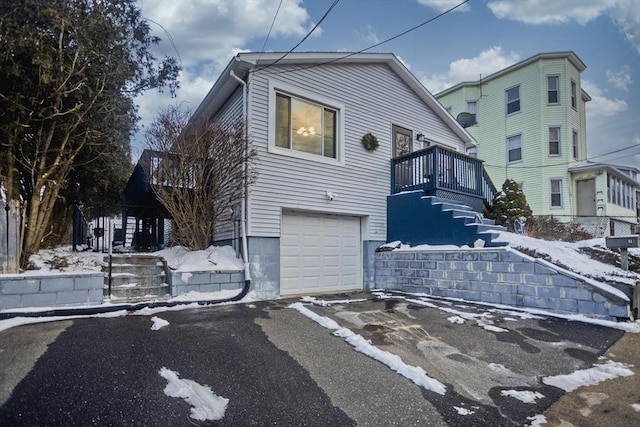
x=415 y=219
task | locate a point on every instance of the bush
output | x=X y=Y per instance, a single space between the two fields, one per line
x=549 y=228
x=509 y=205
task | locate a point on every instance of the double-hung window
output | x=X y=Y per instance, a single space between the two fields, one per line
x=556 y=193
x=576 y=142
x=554 y=141
x=472 y=107
x=305 y=126
x=513 y=99
x=514 y=148
x=553 y=89
x=574 y=95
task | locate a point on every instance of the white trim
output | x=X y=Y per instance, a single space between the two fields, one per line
x=297 y=92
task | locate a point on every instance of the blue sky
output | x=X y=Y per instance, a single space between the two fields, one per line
x=479 y=37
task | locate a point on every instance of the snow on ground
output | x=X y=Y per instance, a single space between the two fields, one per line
x=64 y=259
x=590 y=376
x=206 y=405
x=158 y=323
x=212 y=258
x=463 y=411
x=525 y=396
x=413 y=373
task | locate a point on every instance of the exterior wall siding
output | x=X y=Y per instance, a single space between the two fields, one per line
x=537 y=167
x=374 y=99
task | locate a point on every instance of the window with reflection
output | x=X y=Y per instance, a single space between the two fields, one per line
x=305 y=126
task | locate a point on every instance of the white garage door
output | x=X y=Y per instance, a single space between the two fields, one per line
x=319 y=253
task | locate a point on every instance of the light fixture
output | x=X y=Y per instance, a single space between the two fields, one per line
x=306 y=131
x=419 y=137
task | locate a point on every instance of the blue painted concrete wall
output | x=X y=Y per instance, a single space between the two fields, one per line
x=416 y=220
x=501 y=276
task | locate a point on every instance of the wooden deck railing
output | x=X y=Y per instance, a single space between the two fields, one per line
x=437 y=168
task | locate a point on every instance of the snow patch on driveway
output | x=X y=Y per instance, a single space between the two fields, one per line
x=206 y=404
x=591 y=376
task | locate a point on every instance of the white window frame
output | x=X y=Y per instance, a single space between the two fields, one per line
x=559 y=153
x=574 y=95
x=509 y=139
x=507 y=102
x=276 y=87
x=551 y=193
x=556 y=90
x=575 y=141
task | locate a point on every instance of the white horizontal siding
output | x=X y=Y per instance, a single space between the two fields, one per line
x=374 y=99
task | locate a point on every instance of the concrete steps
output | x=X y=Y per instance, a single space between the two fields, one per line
x=136 y=278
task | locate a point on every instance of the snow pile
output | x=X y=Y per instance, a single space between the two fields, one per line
x=206 y=405
x=158 y=323
x=64 y=259
x=413 y=373
x=525 y=396
x=214 y=258
x=594 y=375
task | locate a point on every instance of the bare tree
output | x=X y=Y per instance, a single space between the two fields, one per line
x=199 y=172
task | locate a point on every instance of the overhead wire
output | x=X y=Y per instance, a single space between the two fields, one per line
x=362 y=50
x=334 y=4
x=562 y=163
x=270 y=29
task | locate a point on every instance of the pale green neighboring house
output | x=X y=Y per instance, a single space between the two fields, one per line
x=531 y=127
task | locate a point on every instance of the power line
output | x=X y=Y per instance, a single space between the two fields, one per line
x=560 y=164
x=270 y=28
x=365 y=49
x=335 y=2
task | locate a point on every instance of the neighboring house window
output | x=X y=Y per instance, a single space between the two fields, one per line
x=514 y=148
x=556 y=193
x=472 y=107
x=554 y=141
x=574 y=95
x=513 y=100
x=553 y=89
x=305 y=126
x=576 y=151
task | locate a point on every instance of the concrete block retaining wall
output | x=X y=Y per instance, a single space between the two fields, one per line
x=501 y=276
x=205 y=281
x=65 y=289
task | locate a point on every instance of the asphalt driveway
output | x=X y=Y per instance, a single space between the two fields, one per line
x=277 y=366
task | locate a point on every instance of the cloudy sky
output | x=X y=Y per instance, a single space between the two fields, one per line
x=479 y=37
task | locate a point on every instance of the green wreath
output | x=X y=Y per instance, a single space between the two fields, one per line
x=370 y=142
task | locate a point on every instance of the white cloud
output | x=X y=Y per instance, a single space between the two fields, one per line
x=624 y=13
x=621 y=79
x=444 y=5
x=470 y=69
x=368 y=35
x=205 y=35
x=600 y=105
x=205 y=30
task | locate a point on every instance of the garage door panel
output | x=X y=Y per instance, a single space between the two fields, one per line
x=320 y=253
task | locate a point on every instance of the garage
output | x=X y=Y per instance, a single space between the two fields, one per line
x=319 y=253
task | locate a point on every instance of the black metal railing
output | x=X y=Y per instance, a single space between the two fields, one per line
x=438 y=168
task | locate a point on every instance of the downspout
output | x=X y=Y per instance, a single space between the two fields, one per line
x=245 y=196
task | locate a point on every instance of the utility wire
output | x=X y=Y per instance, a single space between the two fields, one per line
x=365 y=49
x=270 y=28
x=560 y=164
x=335 y=2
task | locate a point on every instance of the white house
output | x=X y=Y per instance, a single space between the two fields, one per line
x=317 y=209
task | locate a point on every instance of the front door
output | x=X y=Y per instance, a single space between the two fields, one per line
x=402 y=144
x=586 y=197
